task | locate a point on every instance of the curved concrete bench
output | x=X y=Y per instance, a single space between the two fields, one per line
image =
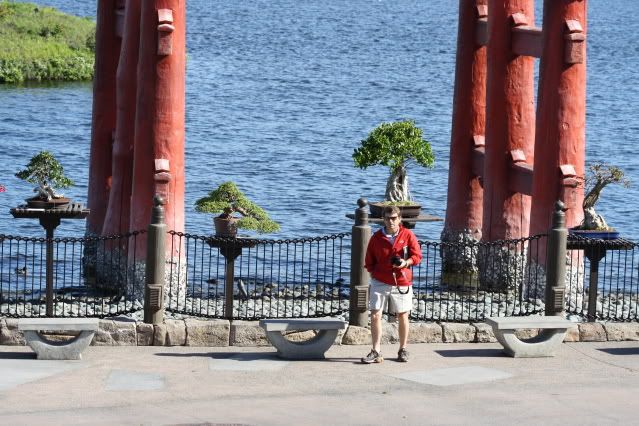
x=553 y=331
x=314 y=348
x=46 y=349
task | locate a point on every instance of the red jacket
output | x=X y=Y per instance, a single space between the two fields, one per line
x=380 y=252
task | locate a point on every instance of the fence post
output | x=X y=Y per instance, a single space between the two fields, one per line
x=155 y=261
x=358 y=314
x=556 y=262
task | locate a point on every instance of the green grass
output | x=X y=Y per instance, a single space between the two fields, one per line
x=40 y=43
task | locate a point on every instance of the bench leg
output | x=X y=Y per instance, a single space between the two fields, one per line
x=544 y=345
x=46 y=349
x=314 y=348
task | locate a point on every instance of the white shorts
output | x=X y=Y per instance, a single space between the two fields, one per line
x=381 y=294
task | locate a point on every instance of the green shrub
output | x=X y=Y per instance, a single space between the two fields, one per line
x=41 y=43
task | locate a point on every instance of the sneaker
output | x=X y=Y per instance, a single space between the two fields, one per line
x=402 y=355
x=373 y=357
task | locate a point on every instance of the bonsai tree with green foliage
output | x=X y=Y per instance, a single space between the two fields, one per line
x=395 y=145
x=599 y=176
x=47 y=173
x=228 y=199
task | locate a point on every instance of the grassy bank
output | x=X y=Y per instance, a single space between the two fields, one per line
x=40 y=43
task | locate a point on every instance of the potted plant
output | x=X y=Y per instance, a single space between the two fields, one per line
x=599 y=176
x=48 y=174
x=395 y=145
x=228 y=199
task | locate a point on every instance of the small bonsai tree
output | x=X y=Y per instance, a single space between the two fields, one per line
x=394 y=145
x=599 y=176
x=46 y=172
x=227 y=199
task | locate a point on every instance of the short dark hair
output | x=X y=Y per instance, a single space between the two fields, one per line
x=388 y=210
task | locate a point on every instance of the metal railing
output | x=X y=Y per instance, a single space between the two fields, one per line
x=92 y=276
x=466 y=282
x=602 y=281
x=247 y=278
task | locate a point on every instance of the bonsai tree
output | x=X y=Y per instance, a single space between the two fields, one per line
x=227 y=199
x=395 y=145
x=47 y=173
x=599 y=176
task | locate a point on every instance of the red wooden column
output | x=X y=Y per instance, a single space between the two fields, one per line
x=561 y=115
x=465 y=194
x=107 y=52
x=159 y=128
x=117 y=215
x=510 y=124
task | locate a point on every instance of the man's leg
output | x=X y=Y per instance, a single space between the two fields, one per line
x=402 y=318
x=376 y=329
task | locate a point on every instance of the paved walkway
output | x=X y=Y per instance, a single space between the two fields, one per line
x=586 y=383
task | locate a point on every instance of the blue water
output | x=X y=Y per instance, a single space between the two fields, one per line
x=280 y=92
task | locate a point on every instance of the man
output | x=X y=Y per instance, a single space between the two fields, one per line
x=391 y=252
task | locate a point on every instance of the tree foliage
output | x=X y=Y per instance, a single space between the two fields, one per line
x=42 y=168
x=228 y=198
x=394 y=145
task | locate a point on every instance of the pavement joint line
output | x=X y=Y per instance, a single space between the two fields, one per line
x=574 y=348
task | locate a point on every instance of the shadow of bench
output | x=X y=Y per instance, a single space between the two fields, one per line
x=33 y=329
x=545 y=344
x=315 y=348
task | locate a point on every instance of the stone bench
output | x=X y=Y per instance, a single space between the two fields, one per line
x=315 y=348
x=32 y=328
x=545 y=344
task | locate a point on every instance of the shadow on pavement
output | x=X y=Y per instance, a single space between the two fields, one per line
x=620 y=351
x=471 y=353
x=17 y=355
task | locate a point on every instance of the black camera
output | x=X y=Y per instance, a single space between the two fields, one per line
x=396 y=261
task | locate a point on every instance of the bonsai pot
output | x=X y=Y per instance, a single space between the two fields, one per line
x=225 y=226
x=413 y=210
x=41 y=203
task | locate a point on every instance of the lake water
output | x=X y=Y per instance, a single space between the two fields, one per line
x=280 y=92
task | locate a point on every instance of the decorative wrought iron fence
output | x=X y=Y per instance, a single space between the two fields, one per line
x=259 y=278
x=309 y=277
x=602 y=280
x=91 y=277
x=466 y=282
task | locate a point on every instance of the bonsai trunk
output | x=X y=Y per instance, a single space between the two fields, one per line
x=397 y=185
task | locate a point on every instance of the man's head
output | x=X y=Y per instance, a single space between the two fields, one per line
x=392 y=219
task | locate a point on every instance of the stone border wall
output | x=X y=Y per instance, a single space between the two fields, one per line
x=122 y=331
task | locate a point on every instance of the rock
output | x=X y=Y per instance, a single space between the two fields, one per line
x=429 y=332
x=159 y=334
x=355 y=335
x=390 y=333
x=622 y=331
x=207 y=333
x=145 y=334
x=247 y=333
x=175 y=333
x=9 y=333
x=572 y=334
x=592 y=332
x=115 y=333
x=526 y=333
x=458 y=333
x=485 y=333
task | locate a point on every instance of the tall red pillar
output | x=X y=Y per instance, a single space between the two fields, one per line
x=118 y=211
x=510 y=127
x=465 y=194
x=107 y=52
x=561 y=115
x=160 y=114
